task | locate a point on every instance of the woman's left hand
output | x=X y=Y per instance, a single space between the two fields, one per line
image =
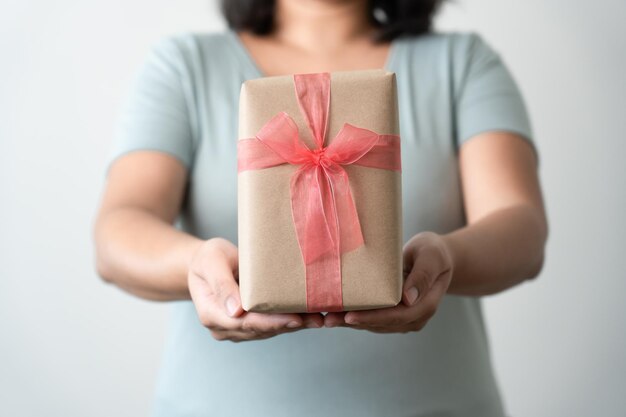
x=428 y=267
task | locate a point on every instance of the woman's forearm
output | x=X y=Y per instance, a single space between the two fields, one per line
x=144 y=255
x=497 y=252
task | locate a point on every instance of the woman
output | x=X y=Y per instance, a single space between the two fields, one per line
x=474 y=221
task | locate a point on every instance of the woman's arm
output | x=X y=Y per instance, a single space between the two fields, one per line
x=501 y=246
x=503 y=242
x=137 y=248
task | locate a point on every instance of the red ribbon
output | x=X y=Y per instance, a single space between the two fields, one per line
x=324 y=214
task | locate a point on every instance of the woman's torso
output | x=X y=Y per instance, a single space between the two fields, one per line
x=443 y=370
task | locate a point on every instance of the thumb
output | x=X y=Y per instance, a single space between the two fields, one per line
x=416 y=285
x=223 y=282
x=417 y=271
x=229 y=289
x=419 y=275
x=233 y=305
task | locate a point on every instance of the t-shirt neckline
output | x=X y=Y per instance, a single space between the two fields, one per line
x=246 y=57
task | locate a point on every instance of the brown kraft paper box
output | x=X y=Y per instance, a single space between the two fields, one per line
x=271 y=268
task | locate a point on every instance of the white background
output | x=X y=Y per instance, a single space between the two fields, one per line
x=73 y=346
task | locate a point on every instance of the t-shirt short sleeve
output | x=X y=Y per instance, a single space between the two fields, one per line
x=487 y=97
x=155 y=114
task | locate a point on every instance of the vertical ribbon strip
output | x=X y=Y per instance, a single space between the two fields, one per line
x=324 y=214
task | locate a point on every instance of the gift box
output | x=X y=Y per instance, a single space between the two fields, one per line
x=319 y=192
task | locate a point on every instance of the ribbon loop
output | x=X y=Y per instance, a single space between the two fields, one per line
x=280 y=134
x=350 y=144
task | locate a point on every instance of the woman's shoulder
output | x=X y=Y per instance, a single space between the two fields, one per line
x=456 y=44
x=448 y=48
x=461 y=40
x=193 y=44
x=194 y=50
x=452 y=57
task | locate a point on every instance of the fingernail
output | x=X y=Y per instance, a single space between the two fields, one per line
x=231 y=306
x=293 y=324
x=313 y=325
x=350 y=320
x=411 y=295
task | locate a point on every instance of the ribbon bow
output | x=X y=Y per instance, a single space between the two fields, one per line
x=324 y=214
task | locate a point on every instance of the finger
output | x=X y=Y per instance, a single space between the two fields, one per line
x=203 y=300
x=428 y=305
x=269 y=322
x=390 y=316
x=377 y=329
x=216 y=297
x=408 y=259
x=417 y=284
x=238 y=336
x=386 y=330
x=214 y=316
x=312 y=320
x=334 y=319
x=210 y=313
x=401 y=314
x=250 y=322
x=426 y=269
x=219 y=275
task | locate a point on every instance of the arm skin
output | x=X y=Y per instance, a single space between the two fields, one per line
x=137 y=248
x=501 y=246
x=503 y=243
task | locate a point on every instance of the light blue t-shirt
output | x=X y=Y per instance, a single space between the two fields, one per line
x=185 y=103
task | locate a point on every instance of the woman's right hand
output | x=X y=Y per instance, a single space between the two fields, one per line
x=212 y=281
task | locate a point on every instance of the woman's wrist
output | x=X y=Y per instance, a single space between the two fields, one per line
x=456 y=252
x=496 y=252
